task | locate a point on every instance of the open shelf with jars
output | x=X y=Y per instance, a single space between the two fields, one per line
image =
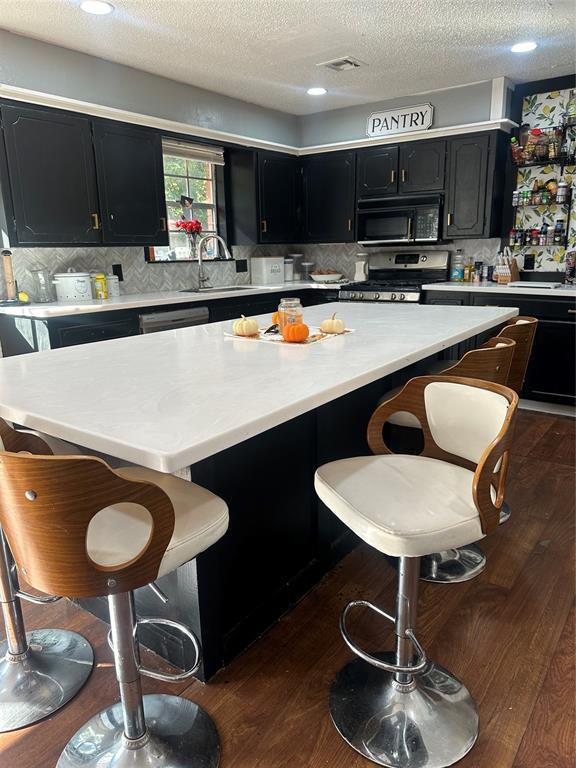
x=554 y=145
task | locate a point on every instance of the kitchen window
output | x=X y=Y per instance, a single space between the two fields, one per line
x=189 y=172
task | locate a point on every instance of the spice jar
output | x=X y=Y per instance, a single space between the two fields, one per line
x=541 y=150
x=562 y=192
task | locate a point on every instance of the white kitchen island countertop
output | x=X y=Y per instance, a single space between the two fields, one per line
x=169 y=399
x=156 y=299
x=564 y=291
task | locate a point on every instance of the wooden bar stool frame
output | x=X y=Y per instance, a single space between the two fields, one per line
x=42 y=670
x=46 y=508
x=490 y=362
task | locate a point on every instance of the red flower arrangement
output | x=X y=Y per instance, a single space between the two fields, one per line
x=192 y=227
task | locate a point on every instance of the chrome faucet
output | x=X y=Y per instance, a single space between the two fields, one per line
x=203 y=279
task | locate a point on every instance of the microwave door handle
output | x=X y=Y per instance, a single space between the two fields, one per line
x=382 y=242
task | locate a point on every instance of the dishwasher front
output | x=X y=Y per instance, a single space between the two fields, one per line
x=178 y=318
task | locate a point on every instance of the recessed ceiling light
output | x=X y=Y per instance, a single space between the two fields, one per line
x=524 y=47
x=316 y=91
x=97 y=7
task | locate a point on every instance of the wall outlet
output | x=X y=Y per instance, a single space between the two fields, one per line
x=117 y=270
x=241 y=265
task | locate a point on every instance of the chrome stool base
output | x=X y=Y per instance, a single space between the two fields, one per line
x=453 y=565
x=430 y=723
x=179 y=735
x=47 y=676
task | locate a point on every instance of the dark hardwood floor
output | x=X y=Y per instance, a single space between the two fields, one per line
x=509 y=634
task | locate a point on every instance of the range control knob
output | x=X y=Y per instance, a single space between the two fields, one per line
x=393 y=297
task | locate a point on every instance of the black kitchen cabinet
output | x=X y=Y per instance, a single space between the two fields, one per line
x=130 y=184
x=551 y=373
x=377 y=171
x=475 y=184
x=278 y=194
x=49 y=178
x=422 y=166
x=329 y=198
x=263 y=197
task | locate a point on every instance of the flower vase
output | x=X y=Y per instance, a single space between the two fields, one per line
x=192 y=247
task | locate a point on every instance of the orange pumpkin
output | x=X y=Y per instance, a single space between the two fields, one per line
x=295 y=332
x=275 y=318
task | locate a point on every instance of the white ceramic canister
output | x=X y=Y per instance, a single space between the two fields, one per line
x=73 y=286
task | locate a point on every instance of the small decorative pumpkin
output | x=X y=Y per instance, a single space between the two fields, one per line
x=333 y=325
x=245 y=326
x=295 y=333
x=275 y=318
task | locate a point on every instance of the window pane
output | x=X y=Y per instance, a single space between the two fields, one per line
x=201 y=190
x=206 y=216
x=174 y=213
x=175 y=165
x=198 y=168
x=174 y=188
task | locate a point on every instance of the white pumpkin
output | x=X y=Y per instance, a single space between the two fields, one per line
x=333 y=325
x=245 y=326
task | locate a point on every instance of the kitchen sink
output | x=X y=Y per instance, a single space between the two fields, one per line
x=216 y=290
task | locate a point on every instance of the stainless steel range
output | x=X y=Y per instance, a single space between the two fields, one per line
x=399 y=276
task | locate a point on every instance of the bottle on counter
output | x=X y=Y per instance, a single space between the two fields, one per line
x=478 y=271
x=468 y=269
x=457 y=267
x=100 y=286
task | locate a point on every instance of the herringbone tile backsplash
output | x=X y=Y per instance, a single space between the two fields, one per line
x=142 y=277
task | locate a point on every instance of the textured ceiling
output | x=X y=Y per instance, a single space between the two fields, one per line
x=265 y=51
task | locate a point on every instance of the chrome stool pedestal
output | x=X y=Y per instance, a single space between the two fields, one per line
x=156 y=731
x=398 y=710
x=452 y=566
x=40 y=671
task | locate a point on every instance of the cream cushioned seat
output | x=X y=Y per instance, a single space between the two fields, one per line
x=402 y=505
x=118 y=533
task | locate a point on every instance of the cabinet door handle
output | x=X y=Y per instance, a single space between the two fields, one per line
x=403 y=172
x=392 y=177
x=349 y=225
x=572 y=311
x=95 y=221
x=163 y=222
x=264 y=226
x=409 y=229
x=450 y=217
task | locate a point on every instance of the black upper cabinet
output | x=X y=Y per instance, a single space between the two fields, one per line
x=263 y=197
x=465 y=208
x=130 y=184
x=422 y=166
x=377 y=172
x=49 y=179
x=329 y=198
x=278 y=197
x=475 y=185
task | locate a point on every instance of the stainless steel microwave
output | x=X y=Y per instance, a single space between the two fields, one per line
x=397 y=220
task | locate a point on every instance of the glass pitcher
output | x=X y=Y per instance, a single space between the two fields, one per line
x=41 y=285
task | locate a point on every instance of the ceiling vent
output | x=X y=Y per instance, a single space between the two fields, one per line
x=342 y=65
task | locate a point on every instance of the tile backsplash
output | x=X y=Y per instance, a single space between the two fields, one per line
x=142 y=277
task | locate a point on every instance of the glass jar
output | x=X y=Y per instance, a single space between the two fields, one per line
x=289 y=312
x=41 y=285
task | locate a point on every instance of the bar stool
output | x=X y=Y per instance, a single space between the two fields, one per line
x=490 y=362
x=42 y=670
x=458 y=565
x=80 y=529
x=402 y=710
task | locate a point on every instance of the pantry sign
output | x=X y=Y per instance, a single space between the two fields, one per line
x=400 y=120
